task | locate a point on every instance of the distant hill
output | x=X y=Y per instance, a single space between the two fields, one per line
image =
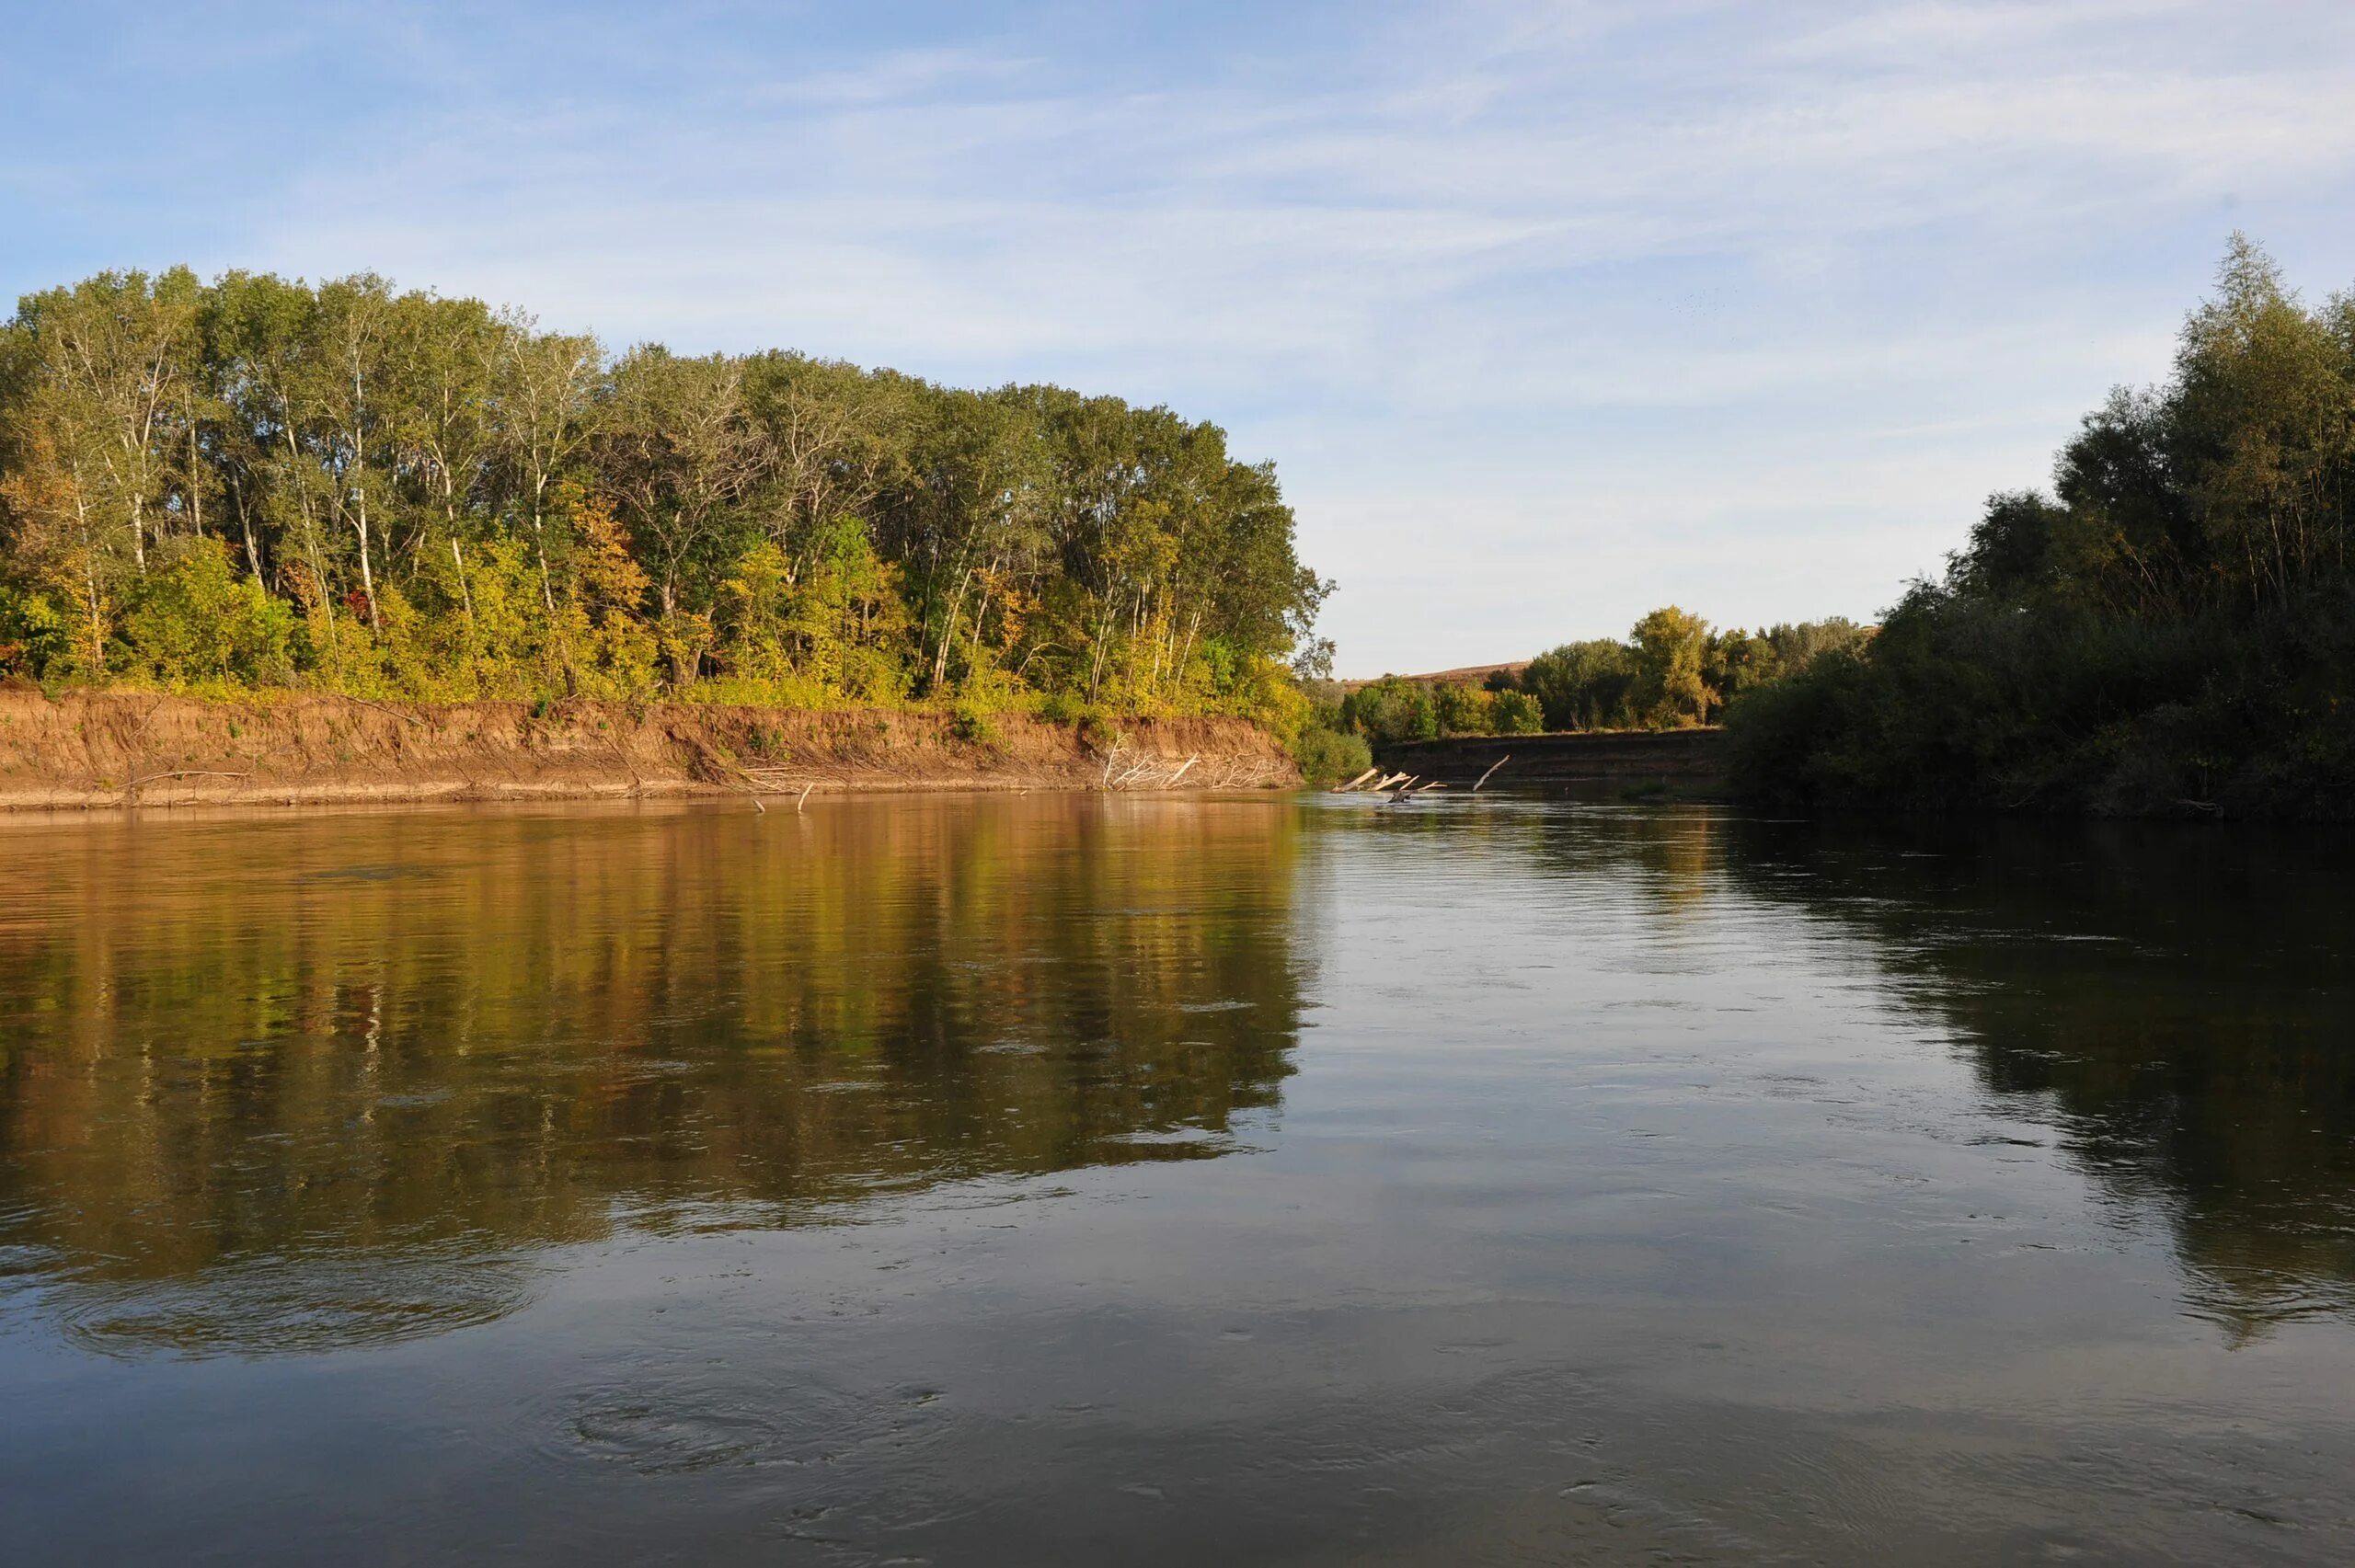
x=1468 y=675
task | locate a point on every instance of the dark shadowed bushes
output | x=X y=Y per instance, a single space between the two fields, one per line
x=2171 y=631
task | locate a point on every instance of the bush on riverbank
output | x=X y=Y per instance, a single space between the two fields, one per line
x=1330 y=756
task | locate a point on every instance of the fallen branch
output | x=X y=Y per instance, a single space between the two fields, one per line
x=406 y=718
x=1492 y=768
x=132 y=786
x=723 y=763
x=1353 y=783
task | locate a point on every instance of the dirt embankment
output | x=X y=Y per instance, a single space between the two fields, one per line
x=112 y=749
x=1694 y=758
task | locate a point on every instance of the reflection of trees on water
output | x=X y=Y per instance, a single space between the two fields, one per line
x=1672 y=855
x=2175 y=1002
x=284 y=1084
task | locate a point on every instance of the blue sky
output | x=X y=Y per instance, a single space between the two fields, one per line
x=1548 y=314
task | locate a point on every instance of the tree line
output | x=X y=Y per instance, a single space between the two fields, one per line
x=1673 y=670
x=254 y=483
x=2169 y=629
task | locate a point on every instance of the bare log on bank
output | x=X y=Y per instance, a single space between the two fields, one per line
x=132 y=789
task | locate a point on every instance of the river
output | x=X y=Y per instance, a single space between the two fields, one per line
x=1064 y=1179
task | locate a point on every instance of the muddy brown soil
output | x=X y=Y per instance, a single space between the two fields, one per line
x=119 y=749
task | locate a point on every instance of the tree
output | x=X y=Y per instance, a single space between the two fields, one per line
x=1463 y=710
x=350 y=404
x=547 y=387
x=110 y=361
x=1583 y=685
x=1392 y=708
x=2167 y=631
x=678 y=453
x=1670 y=689
x=1517 y=713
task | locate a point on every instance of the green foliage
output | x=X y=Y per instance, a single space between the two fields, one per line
x=1393 y=708
x=1791 y=649
x=349 y=487
x=1329 y=757
x=1672 y=672
x=1516 y=713
x=1463 y=710
x=1321 y=738
x=974 y=725
x=1583 y=685
x=2172 y=631
x=1670 y=689
x=195 y=619
x=1398 y=708
x=36 y=632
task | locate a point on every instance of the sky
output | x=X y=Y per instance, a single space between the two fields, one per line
x=1547 y=314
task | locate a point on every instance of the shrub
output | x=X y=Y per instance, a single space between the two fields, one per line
x=974 y=725
x=1517 y=713
x=1328 y=757
x=1463 y=710
x=197 y=619
x=36 y=633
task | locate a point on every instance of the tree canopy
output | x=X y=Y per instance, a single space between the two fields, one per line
x=257 y=482
x=1673 y=671
x=2171 y=628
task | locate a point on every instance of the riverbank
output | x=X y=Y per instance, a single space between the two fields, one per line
x=119 y=749
x=1677 y=760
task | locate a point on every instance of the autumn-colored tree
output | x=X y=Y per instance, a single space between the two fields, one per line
x=1670 y=689
x=439 y=498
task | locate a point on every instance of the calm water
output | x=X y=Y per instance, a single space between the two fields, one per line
x=1065 y=1180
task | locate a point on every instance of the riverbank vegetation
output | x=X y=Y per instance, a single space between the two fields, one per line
x=255 y=484
x=1673 y=671
x=2170 y=629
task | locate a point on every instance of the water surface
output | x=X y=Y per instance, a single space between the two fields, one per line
x=1060 y=1179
